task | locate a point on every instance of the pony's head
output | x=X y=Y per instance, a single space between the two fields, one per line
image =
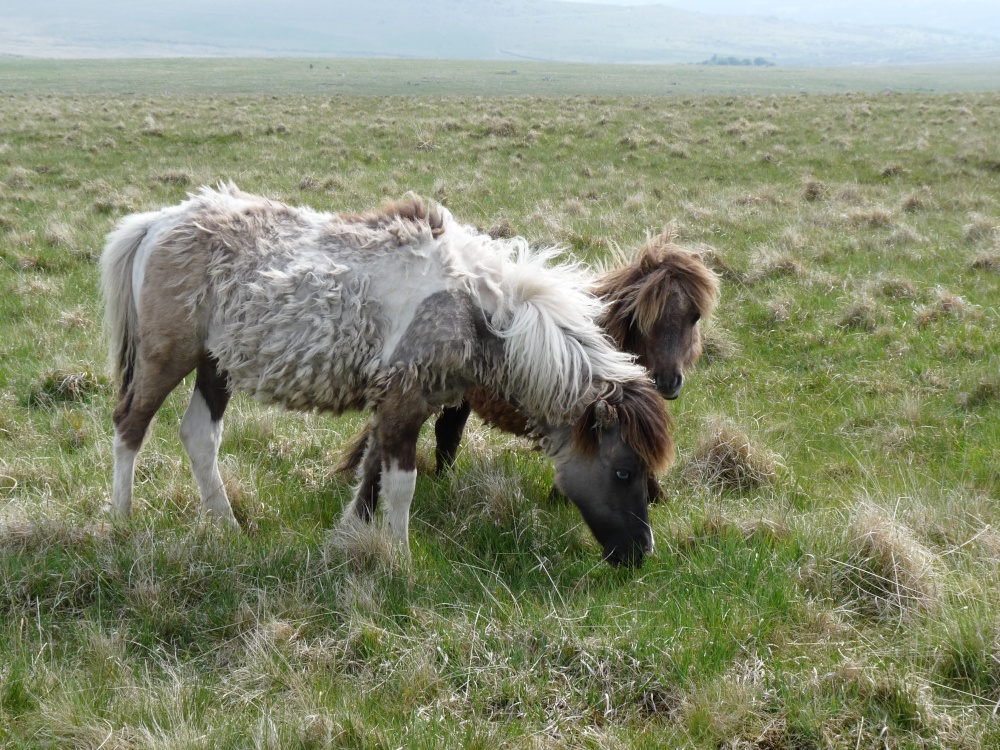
x=655 y=303
x=606 y=461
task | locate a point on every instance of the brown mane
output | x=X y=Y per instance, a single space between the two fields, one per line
x=637 y=291
x=411 y=208
x=646 y=425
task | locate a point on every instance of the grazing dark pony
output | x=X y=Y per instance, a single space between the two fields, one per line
x=402 y=310
x=655 y=300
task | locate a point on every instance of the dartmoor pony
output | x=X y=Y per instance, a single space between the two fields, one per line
x=402 y=310
x=655 y=300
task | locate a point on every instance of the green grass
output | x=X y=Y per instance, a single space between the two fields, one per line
x=369 y=77
x=846 y=598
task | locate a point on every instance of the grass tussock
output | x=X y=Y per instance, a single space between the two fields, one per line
x=814 y=190
x=726 y=458
x=365 y=548
x=887 y=570
x=979 y=228
x=864 y=315
x=988 y=261
x=490 y=488
x=946 y=304
x=65 y=386
x=718 y=344
x=984 y=393
x=179 y=177
x=772 y=264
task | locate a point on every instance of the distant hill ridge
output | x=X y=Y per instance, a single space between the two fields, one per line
x=460 y=29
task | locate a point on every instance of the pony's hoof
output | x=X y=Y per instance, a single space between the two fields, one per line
x=116 y=513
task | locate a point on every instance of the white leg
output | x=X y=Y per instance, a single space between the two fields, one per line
x=121 y=491
x=201 y=437
x=398 y=486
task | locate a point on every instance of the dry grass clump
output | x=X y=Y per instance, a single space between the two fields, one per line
x=864 y=315
x=490 y=487
x=987 y=262
x=59 y=234
x=894 y=288
x=873 y=217
x=979 y=228
x=717 y=344
x=426 y=142
x=365 y=547
x=892 y=170
x=986 y=391
x=19 y=177
x=904 y=235
x=887 y=569
x=946 y=305
x=20 y=534
x=502 y=230
x=915 y=201
x=780 y=311
x=77 y=318
x=61 y=386
x=150 y=127
x=727 y=459
x=499 y=127
x=814 y=190
x=771 y=264
x=180 y=177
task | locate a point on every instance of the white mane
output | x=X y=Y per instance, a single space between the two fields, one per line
x=545 y=315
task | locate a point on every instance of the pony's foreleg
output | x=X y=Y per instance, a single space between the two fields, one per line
x=201 y=436
x=448 y=433
x=400 y=418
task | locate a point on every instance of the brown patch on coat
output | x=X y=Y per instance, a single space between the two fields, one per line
x=411 y=208
x=400 y=416
x=497 y=412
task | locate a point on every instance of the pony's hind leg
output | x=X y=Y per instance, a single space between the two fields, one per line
x=201 y=436
x=140 y=400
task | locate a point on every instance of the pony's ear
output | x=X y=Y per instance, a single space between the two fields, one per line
x=605 y=415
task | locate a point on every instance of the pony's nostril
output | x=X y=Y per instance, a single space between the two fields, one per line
x=669 y=385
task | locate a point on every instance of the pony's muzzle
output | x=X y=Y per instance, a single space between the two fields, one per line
x=629 y=555
x=669 y=384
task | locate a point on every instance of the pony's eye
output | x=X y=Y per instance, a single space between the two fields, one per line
x=623 y=475
x=697 y=317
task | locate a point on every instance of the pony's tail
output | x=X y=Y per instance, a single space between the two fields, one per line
x=121 y=316
x=354 y=453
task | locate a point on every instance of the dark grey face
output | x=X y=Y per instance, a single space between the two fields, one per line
x=672 y=345
x=610 y=491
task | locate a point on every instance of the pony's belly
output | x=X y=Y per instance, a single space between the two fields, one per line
x=305 y=333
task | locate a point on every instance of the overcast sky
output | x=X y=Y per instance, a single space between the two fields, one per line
x=966 y=16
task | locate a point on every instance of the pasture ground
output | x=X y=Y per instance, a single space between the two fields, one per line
x=826 y=572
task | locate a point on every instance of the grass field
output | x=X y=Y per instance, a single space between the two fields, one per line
x=826 y=571
x=366 y=77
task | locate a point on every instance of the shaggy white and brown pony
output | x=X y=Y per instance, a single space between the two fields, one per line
x=403 y=310
x=655 y=298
